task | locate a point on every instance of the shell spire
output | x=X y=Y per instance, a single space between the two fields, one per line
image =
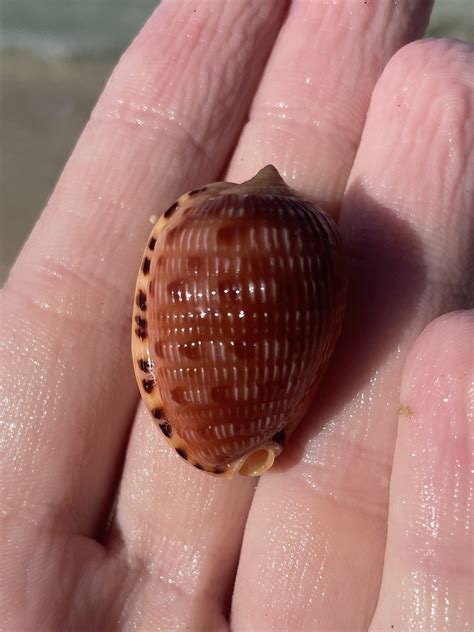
x=266 y=178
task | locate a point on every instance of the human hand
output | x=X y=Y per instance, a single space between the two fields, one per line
x=317 y=543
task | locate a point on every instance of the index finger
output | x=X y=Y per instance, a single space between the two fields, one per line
x=166 y=122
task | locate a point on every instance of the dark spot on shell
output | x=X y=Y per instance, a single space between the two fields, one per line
x=148 y=385
x=168 y=213
x=180 y=395
x=146 y=366
x=279 y=437
x=166 y=429
x=182 y=453
x=190 y=350
x=141 y=333
x=159 y=349
x=270 y=391
x=146 y=265
x=141 y=300
x=196 y=191
x=177 y=290
x=226 y=235
x=194 y=265
x=198 y=466
x=229 y=290
x=161 y=261
x=221 y=394
x=141 y=330
x=158 y=413
x=244 y=349
x=151 y=243
x=151 y=288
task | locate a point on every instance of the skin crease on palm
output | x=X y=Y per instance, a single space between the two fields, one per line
x=365 y=522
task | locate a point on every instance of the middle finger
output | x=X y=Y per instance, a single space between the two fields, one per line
x=309 y=111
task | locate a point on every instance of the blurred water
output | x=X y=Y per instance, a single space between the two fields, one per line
x=78 y=27
x=56 y=55
x=74 y=27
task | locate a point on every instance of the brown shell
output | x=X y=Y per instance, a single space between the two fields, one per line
x=238 y=305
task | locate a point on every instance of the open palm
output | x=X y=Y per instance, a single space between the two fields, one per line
x=383 y=142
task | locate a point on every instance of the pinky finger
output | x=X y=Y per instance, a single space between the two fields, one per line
x=428 y=572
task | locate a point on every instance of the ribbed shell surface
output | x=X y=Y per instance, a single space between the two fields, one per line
x=245 y=304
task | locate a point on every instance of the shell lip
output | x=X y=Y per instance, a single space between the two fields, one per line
x=256 y=462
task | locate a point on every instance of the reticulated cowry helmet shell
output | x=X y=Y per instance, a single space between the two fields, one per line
x=238 y=305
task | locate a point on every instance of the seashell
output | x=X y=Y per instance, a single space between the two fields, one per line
x=238 y=305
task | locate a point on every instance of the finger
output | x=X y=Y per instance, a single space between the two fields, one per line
x=408 y=232
x=309 y=111
x=182 y=528
x=429 y=568
x=167 y=118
